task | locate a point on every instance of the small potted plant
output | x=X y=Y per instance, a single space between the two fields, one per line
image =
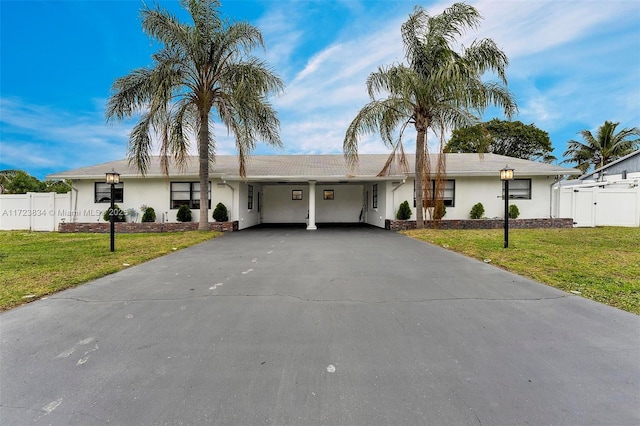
x=132 y=214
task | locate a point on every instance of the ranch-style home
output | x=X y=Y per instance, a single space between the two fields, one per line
x=314 y=189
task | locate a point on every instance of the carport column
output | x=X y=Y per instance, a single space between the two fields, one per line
x=311 y=226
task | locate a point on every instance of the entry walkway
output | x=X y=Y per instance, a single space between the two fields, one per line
x=354 y=326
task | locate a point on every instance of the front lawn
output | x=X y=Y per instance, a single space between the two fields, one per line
x=602 y=264
x=34 y=264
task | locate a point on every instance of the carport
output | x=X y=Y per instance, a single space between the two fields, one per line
x=312 y=202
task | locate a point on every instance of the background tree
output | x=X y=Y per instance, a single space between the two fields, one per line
x=438 y=89
x=57 y=186
x=5 y=178
x=603 y=148
x=202 y=69
x=21 y=182
x=510 y=138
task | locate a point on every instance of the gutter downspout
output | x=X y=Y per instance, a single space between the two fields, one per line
x=393 y=195
x=233 y=194
x=556 y=180
x=75 y=202
x=73 y=207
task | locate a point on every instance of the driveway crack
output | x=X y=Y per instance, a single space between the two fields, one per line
x=306 y=299
x=425 y=300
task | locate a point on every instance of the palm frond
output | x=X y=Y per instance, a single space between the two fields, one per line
x=165 y=27
x=131 y=94
x=139 y=149
x=377 y=116
x=397 y=156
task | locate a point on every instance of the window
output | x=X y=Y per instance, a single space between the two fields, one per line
x=103 y=192
x=448 y=196
x=250 y=197
x=187 y=193
x=374 y=196
x=296 y=194
x=519 y=189
x=327 y=194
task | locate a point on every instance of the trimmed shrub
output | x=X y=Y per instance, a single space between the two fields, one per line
x=184 y=214
x=439 y=211
x=404 y=211
x=149 y=215
x=119 y=214
x=514 y=212
x=220 y=213
x=477 y=211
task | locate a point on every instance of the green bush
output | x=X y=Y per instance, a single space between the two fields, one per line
x=119 y=214
x=477 y=211
x=514 y=212
x=220 y=213
x=184 y=213
x=404 y=211
x=149 y=215
x=439 y=211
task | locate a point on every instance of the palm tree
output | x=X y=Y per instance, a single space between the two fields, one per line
x=202 y=69
x=603 y=148
x=437 y=90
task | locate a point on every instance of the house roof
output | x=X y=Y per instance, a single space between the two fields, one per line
x=323 y=167
x=613 y=163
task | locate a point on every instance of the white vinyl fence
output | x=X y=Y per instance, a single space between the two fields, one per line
x=34 y=211
x=599 y=203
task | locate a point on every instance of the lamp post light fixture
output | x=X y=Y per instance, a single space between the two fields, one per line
x=506 y=175
x=113 y=178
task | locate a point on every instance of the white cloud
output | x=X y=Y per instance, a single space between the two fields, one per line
x=325 y=95
x=281 y=39
x=524 y=28
x=40 y=136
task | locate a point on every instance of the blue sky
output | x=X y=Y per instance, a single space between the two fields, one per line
x=574 y=64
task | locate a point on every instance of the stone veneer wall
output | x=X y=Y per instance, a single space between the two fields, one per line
x=132 y=228
x=401 y=225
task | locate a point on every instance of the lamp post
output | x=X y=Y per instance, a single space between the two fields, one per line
x=112 y=179
x=506 y=175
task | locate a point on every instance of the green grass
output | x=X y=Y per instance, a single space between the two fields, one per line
x=35 y=264
x=602 y=264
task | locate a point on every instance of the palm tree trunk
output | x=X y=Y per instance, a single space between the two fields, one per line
x=203 y=156
x=420 y=166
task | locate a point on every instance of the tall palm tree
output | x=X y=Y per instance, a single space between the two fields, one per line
x=438 y=88
x=603 y=148
x=202 y=69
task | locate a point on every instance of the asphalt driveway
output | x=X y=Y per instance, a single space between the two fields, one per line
x=337 y=326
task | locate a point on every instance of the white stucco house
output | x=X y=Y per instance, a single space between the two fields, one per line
x=607 y=196
x=313 y=189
